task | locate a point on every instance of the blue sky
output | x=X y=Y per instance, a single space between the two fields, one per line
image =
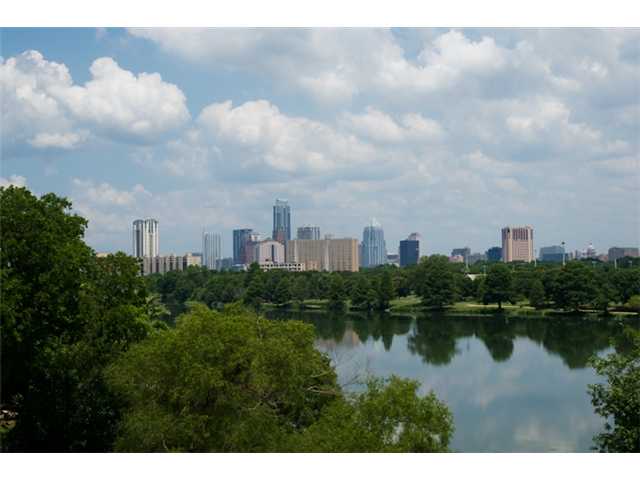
x=450 y=133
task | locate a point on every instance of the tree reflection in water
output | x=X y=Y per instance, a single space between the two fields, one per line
x=435 y=336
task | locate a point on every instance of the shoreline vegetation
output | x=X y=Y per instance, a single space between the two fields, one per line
x=413 y=305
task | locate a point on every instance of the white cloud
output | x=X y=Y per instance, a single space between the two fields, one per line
x=258 y=136
x=66 y=141
x=15 y=180
x=381 y=127
x=41 y=105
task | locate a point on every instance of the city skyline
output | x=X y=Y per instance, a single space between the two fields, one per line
x=454 y=133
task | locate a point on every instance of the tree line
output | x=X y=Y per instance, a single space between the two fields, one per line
x=437 y=282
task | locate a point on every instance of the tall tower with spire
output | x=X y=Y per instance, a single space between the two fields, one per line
x=374 y=249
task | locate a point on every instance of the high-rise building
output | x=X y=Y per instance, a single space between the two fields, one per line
x=517 y=244
x=146 y=240
x=554 y=253
x=476 y=257
x=463 y=252
x=281 y=221
x=616 y=253
x=308 y=232
x=268 y=251
x=494 y=254
x=410 y=250
x=330 y=254
x=374 y=250
x=211 y=250
x=240 y=239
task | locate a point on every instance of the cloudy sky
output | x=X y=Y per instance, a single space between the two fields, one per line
x=450 y=133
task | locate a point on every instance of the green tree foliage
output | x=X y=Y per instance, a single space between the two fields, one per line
x=576 y=286
x=618 y=401
x=385 y=292
x=363 y=296
x=388 y=417
x=337 y=293
x=255 y=294
x=282 y=293
x=536 y=294
x=65 y=315
x=634 y=304
x=234 y=382
x=498 y=286
x=435 y=282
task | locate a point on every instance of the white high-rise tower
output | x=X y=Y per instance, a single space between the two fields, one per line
x=211 y=250
x=146 y=238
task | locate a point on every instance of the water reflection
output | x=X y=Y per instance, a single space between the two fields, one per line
x=435 y=337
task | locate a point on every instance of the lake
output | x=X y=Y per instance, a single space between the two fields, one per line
x=514 y=384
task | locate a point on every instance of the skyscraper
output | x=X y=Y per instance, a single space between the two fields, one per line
x=240 y=238
x=494 y=254
x=410 y=250
x=281 y=221
x=211 y=250
x=517 y=244
x=146 y=242
x=309 y=232
x=374 y=250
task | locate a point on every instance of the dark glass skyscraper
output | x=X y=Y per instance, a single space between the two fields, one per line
x=410 y=250
x=240 y=239
x=494 y=254
x=281 y=221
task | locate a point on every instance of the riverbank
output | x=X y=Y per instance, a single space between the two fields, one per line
x=413 y=304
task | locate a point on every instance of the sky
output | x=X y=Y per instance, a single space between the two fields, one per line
x=452 y=133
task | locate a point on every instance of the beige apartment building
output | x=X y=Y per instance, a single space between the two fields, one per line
x=330 y=254
x=517 y=244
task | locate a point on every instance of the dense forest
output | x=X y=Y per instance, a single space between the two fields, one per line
x=97 y=358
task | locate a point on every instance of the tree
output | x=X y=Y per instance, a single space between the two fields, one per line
x=232 y=381
x=282 y=294
x=389 y=416
x=435 y=282
x=536 y=294
x=362 y=295
x=618 y=401
x=337 y=294
x=385 y=292
x=498 y=285
x=65 y=315
x=299 y=289
x=634 y=304
x=254 y=295
x=576 y=286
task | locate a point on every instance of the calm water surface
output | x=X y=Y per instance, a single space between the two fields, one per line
x=513 y=384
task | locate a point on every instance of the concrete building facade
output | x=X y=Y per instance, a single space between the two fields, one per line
x=517 y=244
x=211 y=250
x=331 y=254
x=268 y=251
x=308 y=232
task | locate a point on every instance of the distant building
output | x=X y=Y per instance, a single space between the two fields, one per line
x=494 y=254
x=240 y=239
x=517 y=244
x=410 y=250
x=464 y=252
x=374 y=250
x=269 y=251
x=476 y=257
x=211 y=250
x=331 y=255
x=193 y=259
x=225 y=263
x=286 y=266
x=590 y=252
x=281 y=221
x=146 y=238
x=308 y=232
x=102 y=255
x=250 y=248
x=393 y=259
x=616 y=253
x=167 y=263
x=456 y=259
x=554 y=253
